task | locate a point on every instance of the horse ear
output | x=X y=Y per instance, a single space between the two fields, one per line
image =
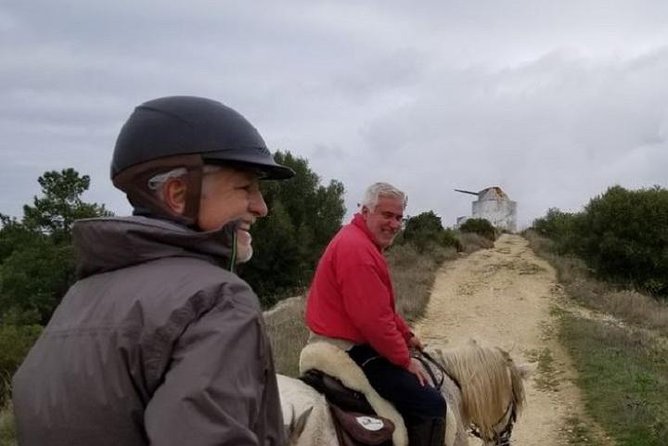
x=526 y=370
x=300 y=424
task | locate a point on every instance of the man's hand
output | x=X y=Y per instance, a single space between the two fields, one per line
x=415 y=367
x=416 y=343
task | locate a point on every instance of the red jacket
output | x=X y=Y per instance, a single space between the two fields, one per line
x=351 y=296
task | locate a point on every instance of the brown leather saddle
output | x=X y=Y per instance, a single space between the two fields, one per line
x=355 y=421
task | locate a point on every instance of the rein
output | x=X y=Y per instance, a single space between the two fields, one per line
x=427 y=362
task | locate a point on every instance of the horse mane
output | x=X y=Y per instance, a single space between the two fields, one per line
x=489 y=381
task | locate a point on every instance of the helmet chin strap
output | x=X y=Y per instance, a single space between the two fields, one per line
x=227 y=236
x=233 y=255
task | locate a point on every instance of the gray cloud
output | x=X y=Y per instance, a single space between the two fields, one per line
x=552 y=101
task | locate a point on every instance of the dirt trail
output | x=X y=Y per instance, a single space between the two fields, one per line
x=503 y=297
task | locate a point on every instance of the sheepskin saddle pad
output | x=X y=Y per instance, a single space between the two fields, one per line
x=331 y=371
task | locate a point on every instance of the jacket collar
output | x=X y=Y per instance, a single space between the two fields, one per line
x=108 y=243
x=359 y=222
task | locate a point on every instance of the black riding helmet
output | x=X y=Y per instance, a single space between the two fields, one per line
x=182 y=125
x=185 y=131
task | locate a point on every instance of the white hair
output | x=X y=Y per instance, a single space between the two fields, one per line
x=377 y=190
x=156 y=182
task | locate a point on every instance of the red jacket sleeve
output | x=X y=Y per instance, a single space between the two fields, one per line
x=403 y=327
x=367 y=301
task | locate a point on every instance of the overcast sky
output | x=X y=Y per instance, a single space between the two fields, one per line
x=554 y=101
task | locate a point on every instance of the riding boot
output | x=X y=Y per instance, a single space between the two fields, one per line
x=437 y=432
x=426 y=432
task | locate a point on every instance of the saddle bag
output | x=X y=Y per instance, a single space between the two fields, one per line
x=355 y=422
x=356 y=429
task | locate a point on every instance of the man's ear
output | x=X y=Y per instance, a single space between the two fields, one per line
x=174 y=193
x=364 y=210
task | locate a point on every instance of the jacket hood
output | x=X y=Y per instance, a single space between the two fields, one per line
x=109 y=243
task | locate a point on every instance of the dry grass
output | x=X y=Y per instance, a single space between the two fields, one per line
x=627 y=305
x=413 y=276
x=288 y=334
x=472 y=242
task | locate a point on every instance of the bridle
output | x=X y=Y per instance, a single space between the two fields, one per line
x=502 y=438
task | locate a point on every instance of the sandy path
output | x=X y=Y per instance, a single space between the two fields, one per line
x=503 y=297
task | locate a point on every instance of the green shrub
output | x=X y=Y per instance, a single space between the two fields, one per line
x=622 y=235
x=562 y=228
x=7 y=426
x=625 y=237
x=35 y=277
x=425 y=232
x=15 y=341
x=480 y=226
x=450 y=239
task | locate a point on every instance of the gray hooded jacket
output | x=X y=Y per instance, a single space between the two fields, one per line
x=155 y=344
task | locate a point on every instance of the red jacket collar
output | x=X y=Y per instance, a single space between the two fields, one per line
x=359 y=222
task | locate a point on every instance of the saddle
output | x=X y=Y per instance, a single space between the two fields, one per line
x=360 y=415
x=336 y=393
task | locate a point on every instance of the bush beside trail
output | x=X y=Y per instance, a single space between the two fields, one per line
x=480 y=226
x=425 y=231
x=622 y=235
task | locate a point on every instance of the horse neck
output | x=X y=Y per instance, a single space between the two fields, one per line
x=485 y=384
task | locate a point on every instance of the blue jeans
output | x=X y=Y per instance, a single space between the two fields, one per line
x=399 y=386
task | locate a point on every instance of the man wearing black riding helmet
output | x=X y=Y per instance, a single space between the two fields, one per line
x=156 y=343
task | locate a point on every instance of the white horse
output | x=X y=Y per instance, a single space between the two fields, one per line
x=482 y=386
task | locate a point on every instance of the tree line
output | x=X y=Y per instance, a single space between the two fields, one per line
x=622 y=235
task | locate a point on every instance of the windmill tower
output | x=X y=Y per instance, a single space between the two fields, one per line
x=493 y=205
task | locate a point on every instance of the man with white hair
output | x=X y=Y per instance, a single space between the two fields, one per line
x=351 y=304
x=159 y=341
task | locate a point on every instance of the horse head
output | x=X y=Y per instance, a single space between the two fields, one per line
x=491 y=388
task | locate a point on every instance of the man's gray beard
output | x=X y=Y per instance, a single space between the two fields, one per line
x=247 y=257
